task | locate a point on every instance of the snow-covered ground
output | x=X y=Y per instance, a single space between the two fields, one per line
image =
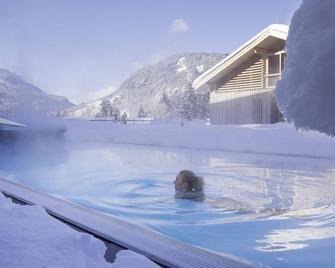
x=279 y=139
x=29 y=237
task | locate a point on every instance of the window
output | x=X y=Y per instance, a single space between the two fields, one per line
x=273 y=64
x=274 y=68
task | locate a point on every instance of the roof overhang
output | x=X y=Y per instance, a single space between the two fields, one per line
x=269 y=39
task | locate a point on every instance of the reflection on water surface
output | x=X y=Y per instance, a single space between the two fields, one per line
x=279 y=211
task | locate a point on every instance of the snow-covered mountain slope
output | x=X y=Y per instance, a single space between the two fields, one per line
x=17 y=95
x=153 y=86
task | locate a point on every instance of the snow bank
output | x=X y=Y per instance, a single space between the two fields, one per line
x=306 y=92
x=281 y=138
x=29 y=237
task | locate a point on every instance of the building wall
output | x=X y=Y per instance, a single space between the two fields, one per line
x=241 y=106
x=249 y=74
x=240 y=96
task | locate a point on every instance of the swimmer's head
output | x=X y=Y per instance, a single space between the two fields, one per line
x=188 y=185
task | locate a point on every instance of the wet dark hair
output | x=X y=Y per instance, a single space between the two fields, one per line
x=194 y=183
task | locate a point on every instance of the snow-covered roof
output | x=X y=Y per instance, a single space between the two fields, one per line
x=277 y=31
x=10 y=123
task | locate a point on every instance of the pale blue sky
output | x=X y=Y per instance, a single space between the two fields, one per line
x=78 y=48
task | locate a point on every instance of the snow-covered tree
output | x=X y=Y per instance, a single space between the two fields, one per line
x=165 y=104
x=105 y=108
x=115 y=114
x=141 y=113
x=189 y=106
x=124 y=117
x=306 y=92
x=203 y=104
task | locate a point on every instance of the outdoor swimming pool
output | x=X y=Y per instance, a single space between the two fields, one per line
x=274 y=210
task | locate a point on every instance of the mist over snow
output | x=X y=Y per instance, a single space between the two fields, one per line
x=15 y=93
x=306 y=92
x=23 y=102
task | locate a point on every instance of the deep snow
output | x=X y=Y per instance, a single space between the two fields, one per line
x=279 y=139
x=29 y=237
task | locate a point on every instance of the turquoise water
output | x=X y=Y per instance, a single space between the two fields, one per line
x=274 y=210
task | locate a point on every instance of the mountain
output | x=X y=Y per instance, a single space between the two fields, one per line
x=17 y=95
x=159 y=88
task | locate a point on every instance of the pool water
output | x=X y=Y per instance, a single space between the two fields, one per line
x=274 y=210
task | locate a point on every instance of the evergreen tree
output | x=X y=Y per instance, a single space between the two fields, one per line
x=105 y=108
x=115 y=114
x=170 y=105
x=110 y=111
x=189 y=104
x=165 y=99
x=165 y=104
x=141 y=113
x=203 y=104
x=124 y=117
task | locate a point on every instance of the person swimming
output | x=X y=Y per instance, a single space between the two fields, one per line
x=188 y=185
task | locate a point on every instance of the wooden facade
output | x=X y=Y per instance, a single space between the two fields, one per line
x=242 y=84
x=248 y=75
x=241 y=96
x=250 y=106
